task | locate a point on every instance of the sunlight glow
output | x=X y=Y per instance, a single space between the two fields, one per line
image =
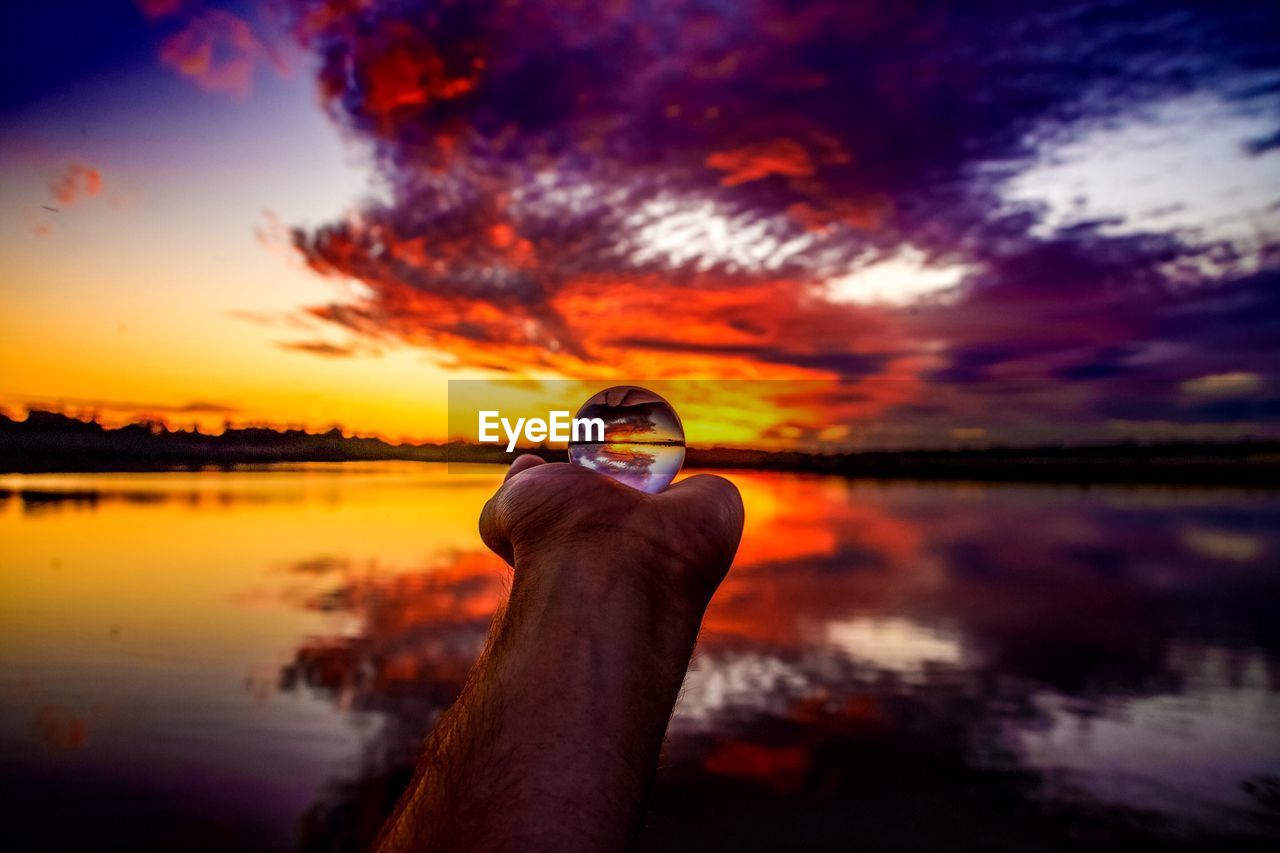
x=902 y=278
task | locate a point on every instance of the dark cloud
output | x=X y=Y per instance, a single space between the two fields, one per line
x=1100 y=363
x=1263 y=144
x=189 y=407
x=845 y=364
x=660 y=188
x=325 y=349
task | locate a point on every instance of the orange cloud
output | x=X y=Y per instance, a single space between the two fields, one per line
x=76 y=183
x=59 y=729
x=503 y=303
x=220 y=52
x=407 y=77
x=822 y=217
x=37 y=221
x=630 y=324
x=753 y=162
x=325 y=349
x=781 y=156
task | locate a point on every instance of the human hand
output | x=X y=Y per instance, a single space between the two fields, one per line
x=557 y=518
x=562 y=718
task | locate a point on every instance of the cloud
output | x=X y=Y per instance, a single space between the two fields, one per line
x=117 y=406
x=1222 y=384
x=206 y=407
x=113 y=413
x=325 y=349
x=76 y=183
x=58 y=728
x=158 y=8
x=760 y=160
x=220 y=52
x=807 y=191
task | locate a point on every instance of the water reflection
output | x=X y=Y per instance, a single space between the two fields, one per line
x=646 y=467
x=891 y=667
x=643 y=440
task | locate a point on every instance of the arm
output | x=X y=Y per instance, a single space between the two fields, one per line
x=555 y=736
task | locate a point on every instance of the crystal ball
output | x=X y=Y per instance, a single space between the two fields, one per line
x=643 y=444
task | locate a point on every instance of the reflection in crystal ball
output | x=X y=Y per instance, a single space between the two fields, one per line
x=643 y=443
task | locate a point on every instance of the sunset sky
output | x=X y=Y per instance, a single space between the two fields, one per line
x=956 y=223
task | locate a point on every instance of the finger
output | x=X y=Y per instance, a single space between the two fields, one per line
x=512 y=501
x=493 y=517
x=523 y=462
x=493 y=531
x=707 y=494
x=703 y=487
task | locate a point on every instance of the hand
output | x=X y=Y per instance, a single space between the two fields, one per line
x=554 y=739
x=559 y=517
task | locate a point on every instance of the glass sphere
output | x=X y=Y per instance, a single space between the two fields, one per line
x=643 y=444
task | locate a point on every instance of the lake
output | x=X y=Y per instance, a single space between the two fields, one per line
x=249 y=659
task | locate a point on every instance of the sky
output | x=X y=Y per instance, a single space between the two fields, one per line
x=944 y=223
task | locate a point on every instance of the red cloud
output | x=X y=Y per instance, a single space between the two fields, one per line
x=158 y=8
x=220 y=52
x=59 y=729
x=624 y=323
x=599 y=190
x=753 y=162
x=411 y=75
x=76 y=183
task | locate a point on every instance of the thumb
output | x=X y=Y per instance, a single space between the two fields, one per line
x=716 y=502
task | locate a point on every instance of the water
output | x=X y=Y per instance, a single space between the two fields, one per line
x=247 y=660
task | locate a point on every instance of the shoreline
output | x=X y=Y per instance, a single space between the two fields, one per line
x=49 y=443
x=904 y=467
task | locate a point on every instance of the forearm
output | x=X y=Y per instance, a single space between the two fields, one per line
x=555 y=737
